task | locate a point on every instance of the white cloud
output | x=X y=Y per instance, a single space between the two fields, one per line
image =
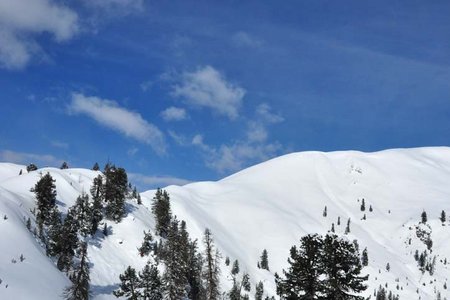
x=243 y=39
x=116 y=6
x=59 y=144
x=156 y=181
x=108 y=113
x=132 y=151
x=264 y=112
x=174 y=114
x=22 y=20
x=26 y=158
x=207 y=87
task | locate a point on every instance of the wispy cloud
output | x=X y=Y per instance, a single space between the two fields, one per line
x=146 y=181
x=174 y=114
x=243 y=39
x=121 y=7
x=59 y=144
x=109 y=114
x=207 y=87
x=26 y=158
x=21 y=21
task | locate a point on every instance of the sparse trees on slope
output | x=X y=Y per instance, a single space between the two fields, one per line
x=147 y=244
x=67 y=243
x=150 y=283
x=80 y=287
x=97 y=194
x=259 y=291
x=83 y=214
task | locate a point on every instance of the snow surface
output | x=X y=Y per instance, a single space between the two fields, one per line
x=268 y=206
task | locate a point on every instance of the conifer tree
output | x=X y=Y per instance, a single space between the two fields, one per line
x=150 y=283
x=20 y=172
x=31 y=167
x=161 y=211
x=129 y=286
x=115 y=189
x=443 y=217
x=264 y=260
x=347 y=228
x=96 y=167
x=365 y=258
x=239 y=286
x=370 y=208
x=339 y=221
x=97 y=203
x=235 y=269
x=325 y=211
x=80 y=287
x=194 y=273
x=64 y=166
x=332 y=228
x=53 y=245
x=68 y=241
x=211 y=268
x=259 y=291
x=363 y=205
x=147 y=244
x=45 y=191
x=83 y=214
x=424 y=217
x=342 y=267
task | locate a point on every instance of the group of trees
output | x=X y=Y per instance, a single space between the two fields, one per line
x=326 y=268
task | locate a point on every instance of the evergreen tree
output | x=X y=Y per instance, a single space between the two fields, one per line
x=259 y=291
x=115 y=189
x=342 y=266
x=150 y=284
x=325 y=211
x=235 y=269
x=80 y=287
x=194 y=273
x=370 y=208
x=29 y=224
x=68 y=241
x=365 y=258
x=238 y=286
x=31 y=167
x=45 y=191
x=83 y=214
x=96 y=167
x=227 y=261
x=161 y=211
x=64 y=166
x=424 y=217
x=332 y=228
x=302 y=279
x=264 y=260
x=339 y=221
x=20 y=172
x=54 y=232
x=211 y=269
x=363 y=205
x=443 y=217
x=129 y=286
x=388 y=267
x=174 y=278
x=97 y=194
x=147 y=244
x=347 y=228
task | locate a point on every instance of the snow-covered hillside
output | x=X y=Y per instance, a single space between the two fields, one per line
x=268 y=206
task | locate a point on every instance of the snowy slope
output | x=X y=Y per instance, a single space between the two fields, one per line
x=270 y=205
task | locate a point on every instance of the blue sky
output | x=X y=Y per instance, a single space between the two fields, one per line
x=178 y=91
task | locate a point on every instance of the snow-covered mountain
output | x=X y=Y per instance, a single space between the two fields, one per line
x=268 y=206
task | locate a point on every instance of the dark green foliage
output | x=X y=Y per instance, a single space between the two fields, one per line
x=64 y=166
x=83 y=214
x=424 y=217
x=322 y=268
x=239 y=286
x=161 y=211
x=54 y=232
x=365 y=258
x=80 y=278
x=97 y=194
x=115 y=189
x=67 y=242
x=363 y=205
x=150 y=284
x=96 y=167
x=259 y=291
x=129 y=286
x=211 y=267
x=443 y=217
x=45 y=191
x=147 y=244
x=264 y=264
x=31 y=167
x=194 y=273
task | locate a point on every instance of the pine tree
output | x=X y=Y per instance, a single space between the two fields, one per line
x=68 y=241
x=370 y=208
x=64 y=166
x=239 y=285
x=97 y=203
x=235 y=269
x=53 y=246
x=325 y=211
x=194 y=273
x=424 y=217
x=443 y=217
x=227 y=261
x=339 y=221
x=20 y=172
x=96 y=167
x=363 y=205
x=31 y=167
x=388 y=267
x=115 y=189
x=332 y=227
x=264 y=260
x=80 y=287
x=347 y=228
x=161 y=211
x=150 y=283
x=147 y=244
x=28 y=224
x=129 y=286
x=83 y=214
x=211 y=269
x=45 y=191
x=342 y=266
x=259 y=291
x=302 y=279
x=365 y=258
